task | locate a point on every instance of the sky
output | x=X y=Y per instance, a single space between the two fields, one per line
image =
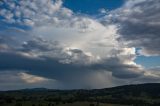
x=78 y=44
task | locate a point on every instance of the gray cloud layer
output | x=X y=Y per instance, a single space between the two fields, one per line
x=139 y=25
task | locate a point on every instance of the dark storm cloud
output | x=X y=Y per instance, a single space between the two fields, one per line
x=118 y=68
x=52 y=68
x=46 y=67
x=49 y=59
x=50 y=62
x=139 y=23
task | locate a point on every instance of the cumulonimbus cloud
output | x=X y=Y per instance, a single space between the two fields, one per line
x=73 y=49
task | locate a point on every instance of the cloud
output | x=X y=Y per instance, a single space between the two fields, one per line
x=76 y=51
x=72 y=68
x=37 y=55
x=33 y=13
x=20 y=79
x=138 y=25
x=31 y=78
x=103 y=11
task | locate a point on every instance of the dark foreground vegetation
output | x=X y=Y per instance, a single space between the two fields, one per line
x=129 y=95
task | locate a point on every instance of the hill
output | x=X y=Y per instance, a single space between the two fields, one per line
x=129 y=95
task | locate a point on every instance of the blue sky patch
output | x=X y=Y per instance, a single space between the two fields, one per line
x=92 y=7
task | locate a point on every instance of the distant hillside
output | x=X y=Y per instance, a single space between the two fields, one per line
x=151 y=89
x=137 y=95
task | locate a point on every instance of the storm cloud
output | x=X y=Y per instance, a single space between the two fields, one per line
x=57 y=48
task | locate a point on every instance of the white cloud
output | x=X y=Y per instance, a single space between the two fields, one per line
x=103 y=11
x=35 y=12
x=32 y=78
